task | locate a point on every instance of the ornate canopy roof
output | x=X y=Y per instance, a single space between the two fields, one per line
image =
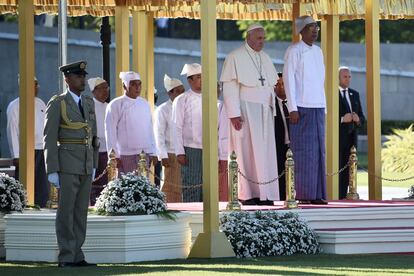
x=226 y=9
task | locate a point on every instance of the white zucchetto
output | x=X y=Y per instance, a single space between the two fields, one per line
x=254 y=27
x=191 y=69
x=171 y=83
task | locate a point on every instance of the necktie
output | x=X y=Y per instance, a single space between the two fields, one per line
x=348 y=108
x=286 y=113
x=285 y=109
x=81 y=108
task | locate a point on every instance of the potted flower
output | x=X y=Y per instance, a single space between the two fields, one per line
x=268 y=234
x=133 y=224
x=12 y=198
x=12 y=194
x=131 y=194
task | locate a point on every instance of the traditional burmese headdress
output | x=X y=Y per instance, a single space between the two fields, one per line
x=94 y=82
x=191 y=69
x=128 y=76
x=171 y=83
x=302 y=21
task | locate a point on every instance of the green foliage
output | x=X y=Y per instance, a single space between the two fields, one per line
x=387 y=126
x=275 y=30
x=391 y=31
x=398 y=154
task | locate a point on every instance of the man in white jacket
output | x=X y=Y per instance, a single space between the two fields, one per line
x=41 y=183
x=164 y=138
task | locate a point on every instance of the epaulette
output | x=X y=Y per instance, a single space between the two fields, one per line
x=57 y=97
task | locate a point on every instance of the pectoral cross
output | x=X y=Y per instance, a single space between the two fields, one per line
x=261 y=79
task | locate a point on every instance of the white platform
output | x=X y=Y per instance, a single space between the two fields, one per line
x=367 y=239
x=109 y=239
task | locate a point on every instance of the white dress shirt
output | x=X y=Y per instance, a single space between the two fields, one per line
x=187 y=118
x=304 y=76
x=100 y=109
x=128 y=126
x=13 y=125
x=163 y=129
x=346 y=96
x=280 y=103
x=223 y=131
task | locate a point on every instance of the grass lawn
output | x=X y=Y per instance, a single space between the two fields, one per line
x=362 y=179
x=322 y=264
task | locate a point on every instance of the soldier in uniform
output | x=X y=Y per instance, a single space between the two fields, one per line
x=71 y=156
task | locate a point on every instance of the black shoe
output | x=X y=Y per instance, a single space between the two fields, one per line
x=266 y=202
x=66 y=264
x=319 y=202
x=84 y=263
x=252 y=201
x=305 y=202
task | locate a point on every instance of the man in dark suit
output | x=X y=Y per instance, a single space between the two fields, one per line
x=71 y=154
x=281 y=132
x=351 y=118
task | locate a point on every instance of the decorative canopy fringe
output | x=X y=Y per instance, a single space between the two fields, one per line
x=226 y=9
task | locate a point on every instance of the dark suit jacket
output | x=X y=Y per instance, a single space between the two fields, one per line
x=281 y=149
x=348 y=135
x=345 y=129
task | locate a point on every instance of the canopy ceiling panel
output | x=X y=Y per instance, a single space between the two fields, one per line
x=226 y=9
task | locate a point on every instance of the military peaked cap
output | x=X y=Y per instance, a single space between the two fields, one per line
x=77 y=68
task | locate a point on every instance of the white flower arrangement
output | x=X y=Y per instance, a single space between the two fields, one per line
x=12 y=194
x=268 y=234
x=131 y=195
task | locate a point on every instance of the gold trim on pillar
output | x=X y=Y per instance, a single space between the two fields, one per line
x=373 y=98
x=330 y=49
x=27 y=100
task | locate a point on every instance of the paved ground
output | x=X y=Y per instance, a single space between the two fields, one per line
x=387 y=192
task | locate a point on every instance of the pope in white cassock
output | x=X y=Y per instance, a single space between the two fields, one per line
x=187 y=118
x=248 y=77
x=128 y=125
x=164 y=138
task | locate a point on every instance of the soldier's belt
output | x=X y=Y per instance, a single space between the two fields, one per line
x=74 y=141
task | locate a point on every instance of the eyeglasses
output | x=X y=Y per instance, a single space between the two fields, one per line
x=313 y=26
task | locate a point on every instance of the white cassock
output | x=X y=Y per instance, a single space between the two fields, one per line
x=187 y=118
x=252 y=99
x=128 y=127
x=13 y=125
x=223 y=132
x=100 y=110
x=163 y=129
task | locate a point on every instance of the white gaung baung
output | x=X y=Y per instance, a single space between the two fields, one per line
x=128 y=124
x=248 y=78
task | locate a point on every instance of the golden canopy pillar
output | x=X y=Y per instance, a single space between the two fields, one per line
x=330 y=49
x=122 y=45
x=211 y=243
x=143 y=52
x=27 y=97
x=298 y=9
x=373 y=97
